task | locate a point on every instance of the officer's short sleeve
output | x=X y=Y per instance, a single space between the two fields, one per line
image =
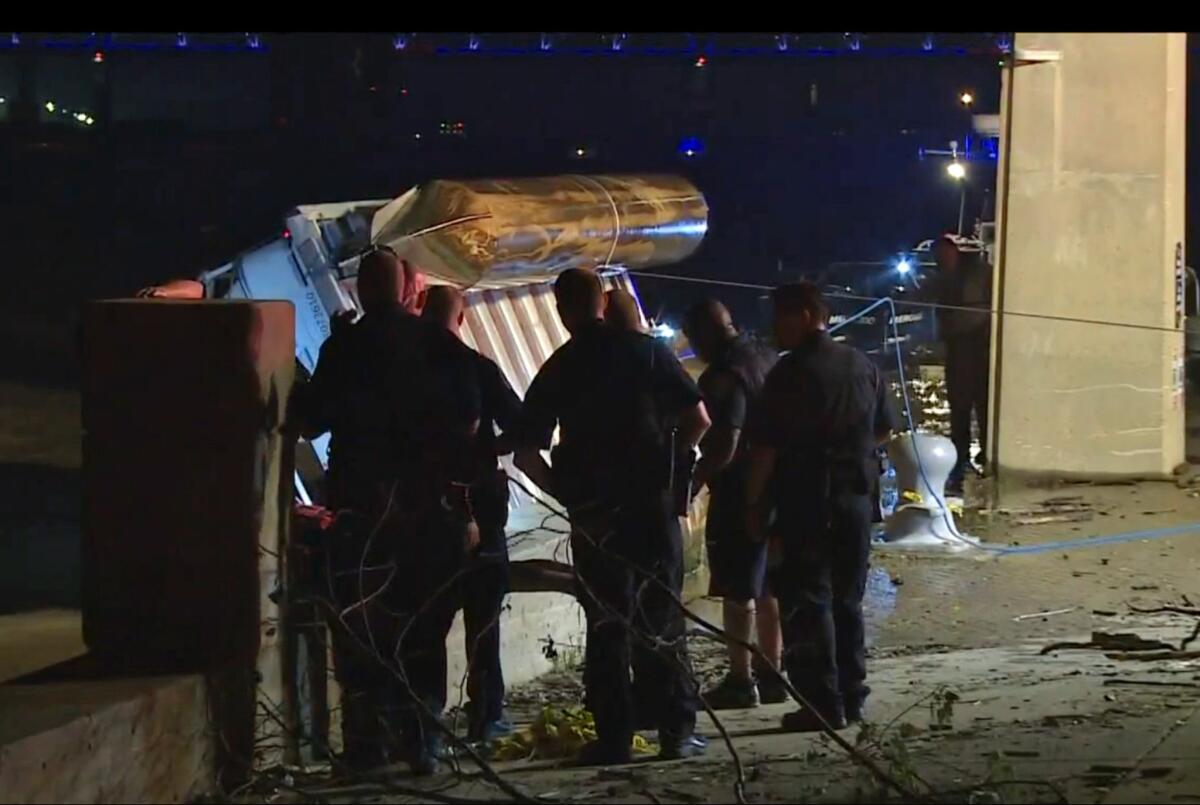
x=539 y=414
x=672 y=384
x=886 y=418
x=725 y=399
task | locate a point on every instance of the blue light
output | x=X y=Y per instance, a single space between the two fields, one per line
x=181 y=40
x=473 y=42
x=399 y=41
x=663 y=331
x=691 y=147
x=903 y=267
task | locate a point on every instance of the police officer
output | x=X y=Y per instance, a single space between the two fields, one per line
x=611 y=393
x=963 y=285
x=731 y=383
x=486 y=581
x=401 y=411
x=823 y=411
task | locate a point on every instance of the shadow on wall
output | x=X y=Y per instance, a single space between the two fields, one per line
x=39 y=537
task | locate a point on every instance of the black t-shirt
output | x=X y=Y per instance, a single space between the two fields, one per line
x=397 y=400
x=731 y=385
x=823 y=407
x=612 y=394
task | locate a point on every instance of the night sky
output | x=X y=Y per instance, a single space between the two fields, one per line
x=201 y=142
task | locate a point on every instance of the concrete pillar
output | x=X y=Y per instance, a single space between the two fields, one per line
x=1090 y=227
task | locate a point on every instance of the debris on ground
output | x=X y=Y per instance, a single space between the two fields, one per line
x=1044 y=614
x=556 y=733
x=1124 y=642
x=1060 y=509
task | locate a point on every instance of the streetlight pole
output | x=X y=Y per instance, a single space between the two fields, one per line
x=962 y=203
x=958 y=172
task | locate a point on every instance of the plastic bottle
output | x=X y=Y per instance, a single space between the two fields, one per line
x=889 y=493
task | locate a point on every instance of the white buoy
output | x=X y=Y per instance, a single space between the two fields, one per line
x=922 y=519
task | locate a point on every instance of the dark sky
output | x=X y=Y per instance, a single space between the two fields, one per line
x=197 y=151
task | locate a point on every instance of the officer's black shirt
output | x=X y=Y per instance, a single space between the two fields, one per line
x=396 y=400
x=822 y=408
x=731 y=385
x=970 y=286
x=612 y=393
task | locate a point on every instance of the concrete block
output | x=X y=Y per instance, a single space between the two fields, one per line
x=187 y=482
x=100 y=741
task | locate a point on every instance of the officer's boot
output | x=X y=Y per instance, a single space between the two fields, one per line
x=362 y=738
x=419 y=743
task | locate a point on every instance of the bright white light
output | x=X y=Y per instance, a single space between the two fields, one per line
x=50 y=107
x=89 y=120
x=966 y=99
x=3 y=100
x=690 y=152
x=579 y=152
x=664 y=331
x=80 y=116
x=956 y=170
x=903 y=267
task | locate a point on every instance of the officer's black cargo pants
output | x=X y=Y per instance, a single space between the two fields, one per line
x=820 y=587
x=394 y=598
x=485 y=584
x=629 y=559
x=967 y=371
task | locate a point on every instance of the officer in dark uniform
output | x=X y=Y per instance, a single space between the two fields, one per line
x=402 y=411
x=731 y=383
x=612 y=394
x=824 y=409
x=963 y=282
x=486 y=581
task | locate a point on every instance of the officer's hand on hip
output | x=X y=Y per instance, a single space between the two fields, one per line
x=472 y=536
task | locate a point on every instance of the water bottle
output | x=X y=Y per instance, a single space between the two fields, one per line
x=889 y=494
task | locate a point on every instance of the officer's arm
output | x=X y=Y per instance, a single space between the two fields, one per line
x=678 y=393
x=726 y=405
x=539 y=416
x=766 y=429
x=760 y=467
x=693 y=423
x=503 y=404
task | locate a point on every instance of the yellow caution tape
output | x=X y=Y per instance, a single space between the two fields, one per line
x=556 y=733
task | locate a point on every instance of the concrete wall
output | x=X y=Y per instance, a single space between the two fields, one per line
x=1091 y=213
